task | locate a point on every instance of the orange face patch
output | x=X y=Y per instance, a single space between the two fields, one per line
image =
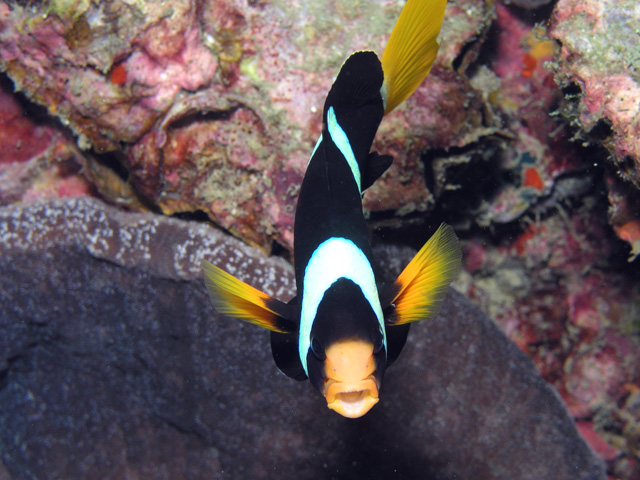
x=351 y=388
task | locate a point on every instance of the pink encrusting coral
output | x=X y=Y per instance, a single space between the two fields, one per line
x=20 y=138
x=599 y=57
x=201 y=98
x=521 y=97
x=551 y=291
x=552 y=287
x=36 y=159
x=64 y=63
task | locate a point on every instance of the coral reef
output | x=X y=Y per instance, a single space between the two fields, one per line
x=525 y=137
x=114 y=364
x=36 y=159
x=624 y=214
x=532 y=167
x=598 y=67
x=39 y=160
x=553 y=292
x=214 y=104
x=552 y=274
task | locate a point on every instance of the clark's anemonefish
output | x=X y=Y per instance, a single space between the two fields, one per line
x=339 y=331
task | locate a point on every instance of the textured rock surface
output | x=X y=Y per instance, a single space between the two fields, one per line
x=36 y=158
x=550 y=272
x=600 y=67
x=208 y=103
x=113 y=364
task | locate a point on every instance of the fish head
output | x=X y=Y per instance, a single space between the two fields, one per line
x=350 y=376
x=346 y=356
x=351 y=386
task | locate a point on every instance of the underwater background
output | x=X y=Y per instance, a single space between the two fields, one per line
x=117 y=115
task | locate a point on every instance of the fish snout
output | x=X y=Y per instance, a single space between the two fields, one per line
x=352 y=399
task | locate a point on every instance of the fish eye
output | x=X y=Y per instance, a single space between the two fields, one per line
x=316 y=348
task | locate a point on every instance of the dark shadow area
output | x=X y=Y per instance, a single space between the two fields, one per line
x=36 y=113
x=195 y=216
x=534 y=15
x=200 y=117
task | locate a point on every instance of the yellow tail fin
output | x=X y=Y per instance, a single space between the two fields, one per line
x=234 y=298
x=411 y=50
x=418 y=292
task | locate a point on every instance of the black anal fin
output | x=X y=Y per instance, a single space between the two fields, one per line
x=358 y=83
x=284 y=348
x=375 y=167
x=396 y=338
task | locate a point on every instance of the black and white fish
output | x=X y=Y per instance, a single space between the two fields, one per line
x=340 y=331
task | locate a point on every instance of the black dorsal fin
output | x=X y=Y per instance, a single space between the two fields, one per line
x=375 y=168
x=358 y=83
x=353 y=109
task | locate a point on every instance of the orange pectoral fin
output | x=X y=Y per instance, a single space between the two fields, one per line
x=234 y=298
x=418 y=292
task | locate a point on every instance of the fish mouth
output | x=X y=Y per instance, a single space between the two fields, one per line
x=352 y=399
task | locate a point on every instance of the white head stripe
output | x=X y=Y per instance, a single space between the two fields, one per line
x=342 y=142
x=335 y=258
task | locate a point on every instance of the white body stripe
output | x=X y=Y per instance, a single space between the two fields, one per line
x=342 y=142
x=333 y=259
x=314 y=149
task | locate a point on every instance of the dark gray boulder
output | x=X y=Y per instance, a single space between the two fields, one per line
x=114 y=365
